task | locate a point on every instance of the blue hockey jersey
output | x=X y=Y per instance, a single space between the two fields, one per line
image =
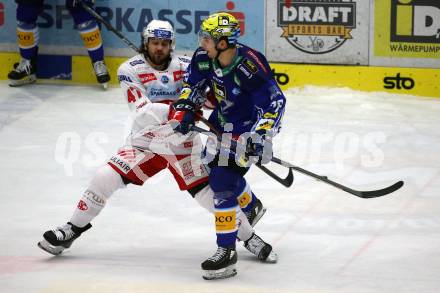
x=247 y=94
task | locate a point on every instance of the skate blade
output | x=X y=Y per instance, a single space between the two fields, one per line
x=27 y=80
x=46 y=246
x=272 y=258
x=258 y=217
x=104 y=85
x=224 y=273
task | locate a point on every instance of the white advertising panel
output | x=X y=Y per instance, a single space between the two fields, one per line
x=330 y=32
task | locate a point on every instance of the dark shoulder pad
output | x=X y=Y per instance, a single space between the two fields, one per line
x=201 y=60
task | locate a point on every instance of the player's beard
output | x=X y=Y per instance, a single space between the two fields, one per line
x=158 y=58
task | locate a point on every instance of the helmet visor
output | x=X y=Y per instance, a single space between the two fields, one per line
x=204 y=37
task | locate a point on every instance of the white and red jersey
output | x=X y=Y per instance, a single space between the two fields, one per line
x=153 y=145
x=142 y=84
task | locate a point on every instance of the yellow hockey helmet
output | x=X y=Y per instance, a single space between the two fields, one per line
x=220 y=26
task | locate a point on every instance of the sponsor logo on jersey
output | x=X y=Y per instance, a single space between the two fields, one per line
x=124 y=77
x=218 y=80
x=164 y=79
x=250 y=65
x=255 y=57
x=244 y=199
x=82 y=206
x=218 y=72
x=203 y=65
x=178 y=75
x=187 y=170
x=137 y=62
x=133 y=94
x=124 y=167
x=219 y=91
x=220 y=95
x=316 y=27
x=185 y=60
x=244 y=70
x=147 y=77
x=155 y=92
x=149 y=134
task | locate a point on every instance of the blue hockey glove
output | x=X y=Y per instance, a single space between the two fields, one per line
x=259 y=145
x=183 y=111
x=255 y=145
x=197 y=93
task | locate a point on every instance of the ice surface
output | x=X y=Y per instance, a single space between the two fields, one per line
x=153 y=238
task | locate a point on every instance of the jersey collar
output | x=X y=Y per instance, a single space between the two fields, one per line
x=225 y=71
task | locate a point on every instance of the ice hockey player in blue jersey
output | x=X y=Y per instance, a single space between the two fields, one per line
x=24 y=72
x=249 y=107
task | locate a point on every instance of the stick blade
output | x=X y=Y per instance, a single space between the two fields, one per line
x=286 y=182
x=289 y=178
x=379 y=192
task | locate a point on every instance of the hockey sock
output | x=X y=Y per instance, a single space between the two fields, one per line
x=91 y=36
x=225 y=182
x=89 y=32
x=205 y=198
x=246 y=198
x=27 y=30
x=103 y=185
x=226 y=225
x=27 y=34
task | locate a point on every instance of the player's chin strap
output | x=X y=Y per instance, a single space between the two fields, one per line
x=361 y=194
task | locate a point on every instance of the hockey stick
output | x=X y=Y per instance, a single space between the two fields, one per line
x=109 y=26
x=358 y=193
x=287 y=182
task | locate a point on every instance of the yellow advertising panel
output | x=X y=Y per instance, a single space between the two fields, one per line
x=407 y=28
x=412 y=81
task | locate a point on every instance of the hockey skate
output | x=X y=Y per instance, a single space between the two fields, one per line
x=261 y=249
x=23 y=72
x=255 y=214
x=101 y=72
x=57 y=240
x=221 y=265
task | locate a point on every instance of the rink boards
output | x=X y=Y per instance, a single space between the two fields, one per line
x=413 y=81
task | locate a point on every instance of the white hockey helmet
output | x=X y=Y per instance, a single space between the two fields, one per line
x=159 y=29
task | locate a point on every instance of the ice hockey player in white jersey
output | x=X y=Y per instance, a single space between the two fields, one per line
x=156 y=74
x=150 y=82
